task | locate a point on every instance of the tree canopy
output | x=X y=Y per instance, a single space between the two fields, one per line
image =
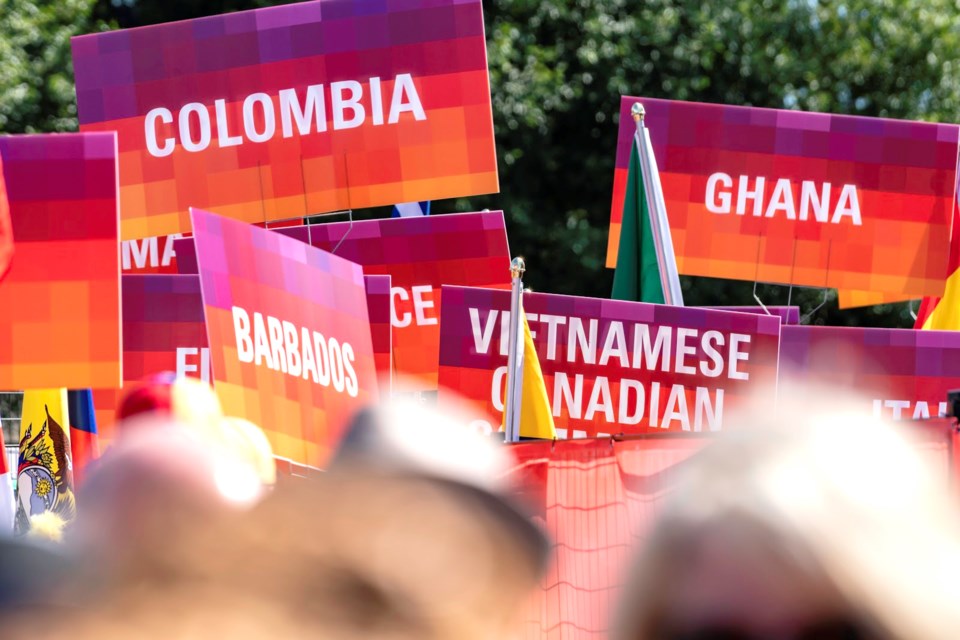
x=557 y=70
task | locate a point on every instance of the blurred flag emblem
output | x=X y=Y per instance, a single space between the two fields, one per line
x=45 y=471
x=411 y=209
x=84 y=446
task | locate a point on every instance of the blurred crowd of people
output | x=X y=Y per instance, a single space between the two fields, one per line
x=797 y=526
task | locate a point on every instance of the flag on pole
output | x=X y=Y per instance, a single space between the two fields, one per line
x=7 y=506
x=6 y=228
x=646 y=265
x=536 y=416
x=45 y=472
x=411 y=209
x=944 y=312
x=84 y=445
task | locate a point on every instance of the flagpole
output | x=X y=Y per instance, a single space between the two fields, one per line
x=657 y=209
x=512 y=397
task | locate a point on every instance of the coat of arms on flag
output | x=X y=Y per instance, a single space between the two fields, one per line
x=45 y=471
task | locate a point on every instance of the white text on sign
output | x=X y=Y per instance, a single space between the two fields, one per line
x=352 y=104
x=415 y=306
x=631 y=346
x=296 y=351
x=751 y=196
x=191 y=361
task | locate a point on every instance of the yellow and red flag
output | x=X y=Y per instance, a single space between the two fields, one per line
x=45 y=471
x=944 y=312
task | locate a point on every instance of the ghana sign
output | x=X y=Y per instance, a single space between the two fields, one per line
x=288 y=111
x=812 y=199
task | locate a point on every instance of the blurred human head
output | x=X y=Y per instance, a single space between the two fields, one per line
x=250 y=444
x=156 y=485
x=804 y=524
x=188 y=402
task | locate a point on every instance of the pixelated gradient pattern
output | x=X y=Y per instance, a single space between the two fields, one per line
x=381 y=333
x=902 y=365
x=60 y=302
x=122 y=75
x=262 y=271
x=466 y=371
x=904 y=173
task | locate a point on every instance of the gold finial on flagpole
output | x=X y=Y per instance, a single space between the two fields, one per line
x=637 y=111
x=517 y=267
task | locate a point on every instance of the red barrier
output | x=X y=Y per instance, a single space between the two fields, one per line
x=597 y=499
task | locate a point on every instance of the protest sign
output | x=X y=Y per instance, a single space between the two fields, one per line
x=289 y=334
x=812 y=199
x=420 y=255
x=60 y=301
x=293 y=110
x=901 y=373
x=163 y=330
x=610 y=366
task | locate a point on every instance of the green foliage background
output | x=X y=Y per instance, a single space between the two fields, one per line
x=558 y=68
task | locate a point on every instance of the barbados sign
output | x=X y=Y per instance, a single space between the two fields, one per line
x=289 y=334
x=812 y=199
x=292 y=110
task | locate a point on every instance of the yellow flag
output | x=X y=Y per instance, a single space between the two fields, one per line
x=946 y=315
x=45 y=471
x=536 y=416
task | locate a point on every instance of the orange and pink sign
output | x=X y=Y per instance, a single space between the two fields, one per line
x=292 y=110
x=289 y=334
x=60 y=301
x=811 y=199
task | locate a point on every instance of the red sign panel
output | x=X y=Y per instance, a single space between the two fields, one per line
x=60 y=302
x=610 y=366
x=812 y=199
x=904 y=374
x=293 y=110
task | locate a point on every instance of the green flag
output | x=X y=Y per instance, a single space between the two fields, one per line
x=637 y=277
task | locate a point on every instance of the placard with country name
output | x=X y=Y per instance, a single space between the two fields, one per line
x=289 y=334
x=60 y=301
x=420 y=254
x=812 y=199
x=897 y=373
x=610 y=366
x=292 y=110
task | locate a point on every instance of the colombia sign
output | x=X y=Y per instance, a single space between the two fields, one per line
x=292 y=110
x=610 y=366
x=799 y=198
x=289 y=334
